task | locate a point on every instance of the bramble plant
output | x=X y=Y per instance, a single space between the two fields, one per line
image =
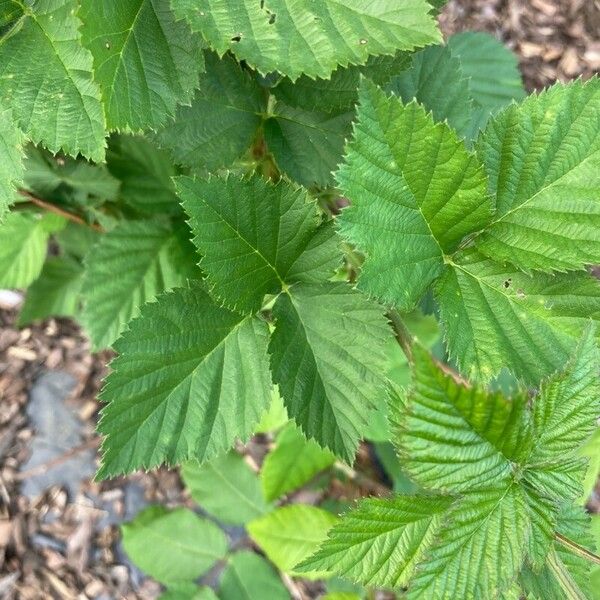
x=320 y=202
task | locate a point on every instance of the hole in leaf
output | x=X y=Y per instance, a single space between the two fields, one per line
x=237 y=38
x=272 y=18
x=507 y=283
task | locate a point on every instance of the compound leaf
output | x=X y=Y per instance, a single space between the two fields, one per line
x=129 y=266
x=144 y=61
x=543 y=162
x=190 y=379
x=46 y=77
x=328 y=358
x=309 y=38
x=415 y=192
x=291 y=533
x=256 y=238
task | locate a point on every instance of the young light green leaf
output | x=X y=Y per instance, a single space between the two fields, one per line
x=446 y=94
x=294 y=461
x=131 y=265
x=440 y=418
x=173 y=546
x=23 y=247
x=415 y=192
x=328 y=358
x=381 y=541
x=543 y=162
x=256 y=238
x=46 y=78
x=11 y=160
x=307 y=145
x=144 y=61
x=250 y=577
x=275 y=417
x=566 y=409
x=222 y=120
x=309 y=38
x=495 y=316
x=291 y=533
x=186 y=352
x=55 y=293
x=459 y=564
x=145 y=173
x=226 y=488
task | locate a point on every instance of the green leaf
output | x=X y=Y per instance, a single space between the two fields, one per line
x=574 y=524
x=482 y=450
x=381 y=541
x=493 y=72
x=415 y=192
x=440 y=418
x=459 y=564
x=294 y=461
x=309 y=38
x=226 y=488
x=190 y=379
x=222 y=120
x=129 y=266
x=11 y=160
x=250 y=577
x=275 y=416
x=543 y=162
x=435 y=79
x=48 y=175
x=75 y=240
x=46 y=78
x=565 y=412
x=144 y=61
x=591 y=451
x=173 y=546
x=55 y=293
x=145 y=173
x=188 y=591
x=340 y=91
x=307 y=145
x=290 y=534
x=327 y=356
x=495 y=316
x=23 y=246
x=256 y=238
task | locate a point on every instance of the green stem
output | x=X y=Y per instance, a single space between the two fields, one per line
x=575 y=548
x=567 y=583
x=403 y=335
